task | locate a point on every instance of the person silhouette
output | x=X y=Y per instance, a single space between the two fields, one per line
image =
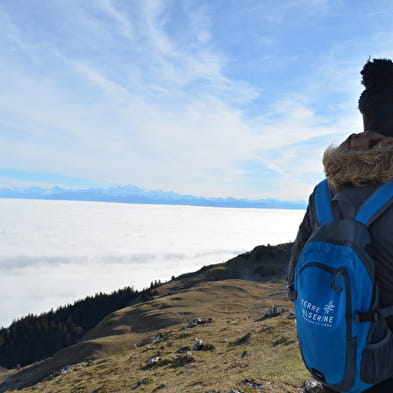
x=355 y=169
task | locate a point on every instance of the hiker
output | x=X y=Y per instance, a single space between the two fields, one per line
x=355 y=170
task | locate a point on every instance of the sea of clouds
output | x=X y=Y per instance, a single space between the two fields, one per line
x=55 y=252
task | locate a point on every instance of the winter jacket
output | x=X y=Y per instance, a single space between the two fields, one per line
x=354 y=170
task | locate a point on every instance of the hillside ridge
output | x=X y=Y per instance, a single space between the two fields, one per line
x=151 y=340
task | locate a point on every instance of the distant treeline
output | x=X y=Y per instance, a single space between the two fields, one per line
x=34 y=338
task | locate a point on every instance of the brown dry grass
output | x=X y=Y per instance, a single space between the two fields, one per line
x=243 y=345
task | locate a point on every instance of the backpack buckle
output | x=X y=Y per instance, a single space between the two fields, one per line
x=370 y=316
x=292 y=294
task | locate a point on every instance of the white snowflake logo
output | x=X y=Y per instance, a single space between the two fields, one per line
x=329 y=307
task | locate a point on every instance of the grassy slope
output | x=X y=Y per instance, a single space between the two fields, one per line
x=267 y=355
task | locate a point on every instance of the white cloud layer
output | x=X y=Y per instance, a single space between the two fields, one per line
x=55 y=252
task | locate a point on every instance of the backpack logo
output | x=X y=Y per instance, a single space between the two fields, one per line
x=329 y=307
x=317 y=315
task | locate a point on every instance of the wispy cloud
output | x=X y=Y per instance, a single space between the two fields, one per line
x=180 y=96
x=121 y=20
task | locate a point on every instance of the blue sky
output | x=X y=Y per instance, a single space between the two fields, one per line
x=204 y=97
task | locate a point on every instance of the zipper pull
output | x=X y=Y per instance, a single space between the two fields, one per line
x=336 y=281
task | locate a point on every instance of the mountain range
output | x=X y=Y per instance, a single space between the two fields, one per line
x=134 y=194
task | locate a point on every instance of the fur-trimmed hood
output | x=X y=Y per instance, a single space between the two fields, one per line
x=361 y=159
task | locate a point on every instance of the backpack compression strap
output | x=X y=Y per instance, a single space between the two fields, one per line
x=322 y=203
x=376 y=204
x=376 y=315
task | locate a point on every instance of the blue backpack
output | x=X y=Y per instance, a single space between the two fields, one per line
x=344 y=339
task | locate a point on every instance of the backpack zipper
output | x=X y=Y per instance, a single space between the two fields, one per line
x=336 y=280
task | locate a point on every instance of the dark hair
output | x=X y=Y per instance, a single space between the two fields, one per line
x=377 y=74
x=376 y=101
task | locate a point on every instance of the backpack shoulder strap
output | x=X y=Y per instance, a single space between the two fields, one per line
x=323 y=206
x=376 y=204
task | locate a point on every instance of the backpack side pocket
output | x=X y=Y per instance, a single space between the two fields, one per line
x=377 y=360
